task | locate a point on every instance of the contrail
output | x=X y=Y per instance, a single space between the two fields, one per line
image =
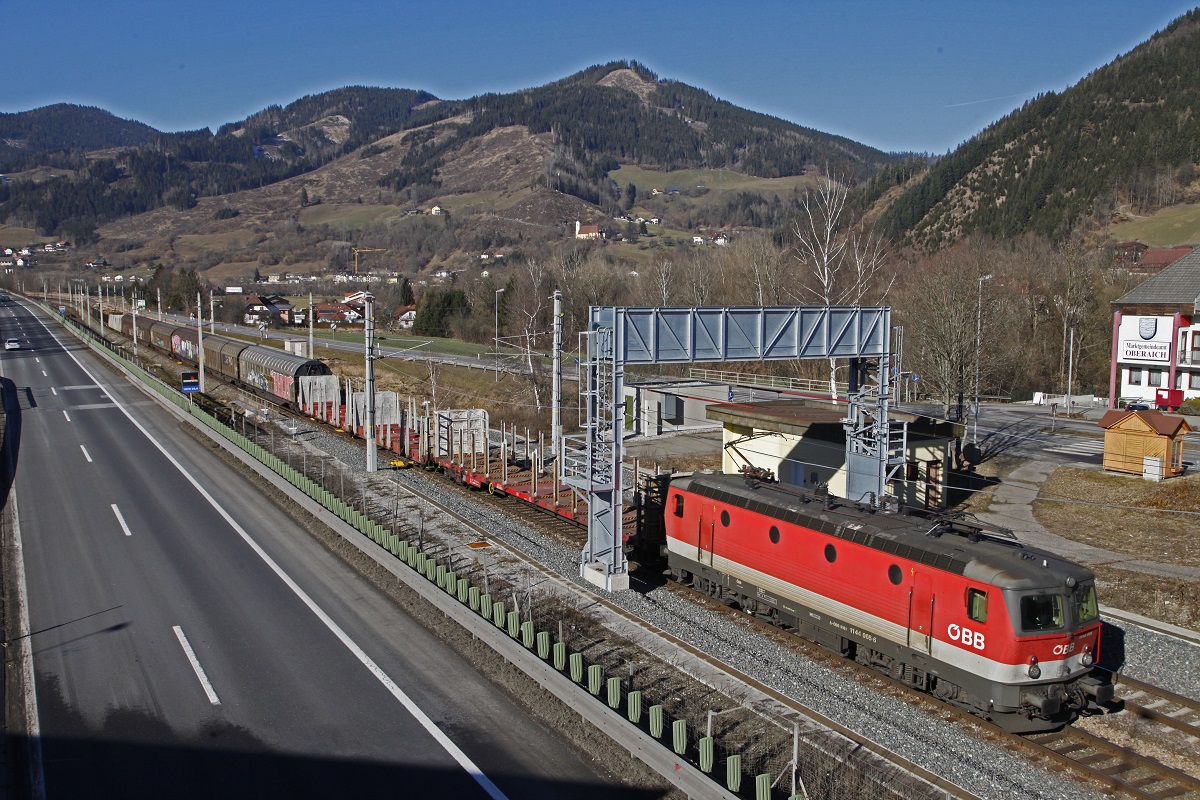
x=989 y=100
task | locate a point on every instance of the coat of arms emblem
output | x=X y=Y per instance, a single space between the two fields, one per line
x=1147 y=327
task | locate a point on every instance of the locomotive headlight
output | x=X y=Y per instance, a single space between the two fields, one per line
x=1034 y=670
x=1088 y=658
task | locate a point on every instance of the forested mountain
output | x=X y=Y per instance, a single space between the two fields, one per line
x=1124 y=136
x=597 y=120
x=368 y=113
x=26 y=135
x=174 y=169
x=622 y=113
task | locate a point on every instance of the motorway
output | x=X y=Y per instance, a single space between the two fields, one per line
x=187 y=642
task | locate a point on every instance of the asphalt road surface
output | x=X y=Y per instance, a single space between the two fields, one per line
x=1031 y=432
x=187 y=643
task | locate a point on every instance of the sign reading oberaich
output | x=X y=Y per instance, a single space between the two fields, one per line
x=1146 y=339
x=1146 y=351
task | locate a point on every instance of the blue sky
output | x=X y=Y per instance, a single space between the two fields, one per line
x=922 y=76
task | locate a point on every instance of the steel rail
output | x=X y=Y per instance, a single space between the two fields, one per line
x=1154 y=714
x=896 y=759
x=1075 y=754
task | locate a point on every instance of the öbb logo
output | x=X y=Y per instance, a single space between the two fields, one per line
x=967 y=636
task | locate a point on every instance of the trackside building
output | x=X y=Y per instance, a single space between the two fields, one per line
x=1156 y=338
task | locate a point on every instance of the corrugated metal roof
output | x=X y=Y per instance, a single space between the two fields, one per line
x=1178 y=284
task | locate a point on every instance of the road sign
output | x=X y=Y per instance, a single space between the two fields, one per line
x=191 y=382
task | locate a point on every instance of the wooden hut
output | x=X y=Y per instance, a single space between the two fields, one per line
x=1131 y=436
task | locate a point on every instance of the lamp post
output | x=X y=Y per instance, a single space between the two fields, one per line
x=978 y=347
x=369 y=343
x=496 y=340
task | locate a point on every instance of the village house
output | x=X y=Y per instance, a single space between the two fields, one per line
x=256 y=310
x=405 y=317
x=265 y=308
x=1156 y=259
x=336 y=313
x=589 y=232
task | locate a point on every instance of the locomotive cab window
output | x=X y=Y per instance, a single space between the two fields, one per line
x=679 y=505
x=1041 y=612
x=977 y=605
x=1086 y=608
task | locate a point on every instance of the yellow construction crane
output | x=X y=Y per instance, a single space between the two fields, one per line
x=358 y=250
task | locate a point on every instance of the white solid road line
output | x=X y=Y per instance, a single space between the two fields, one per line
x=121 y=520
x=87 y=456
x=420 y=716
x=191 y=656
x=37 y=776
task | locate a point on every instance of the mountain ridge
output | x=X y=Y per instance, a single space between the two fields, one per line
x=596 y=120
x=1124 y=135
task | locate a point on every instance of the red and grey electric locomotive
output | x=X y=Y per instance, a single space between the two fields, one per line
x=1008 y=632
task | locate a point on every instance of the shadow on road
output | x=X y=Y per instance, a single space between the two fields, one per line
x=1008 y=437
x=11 y=444
x=131 y=754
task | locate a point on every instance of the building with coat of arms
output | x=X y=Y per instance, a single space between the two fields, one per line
x=1156 y=339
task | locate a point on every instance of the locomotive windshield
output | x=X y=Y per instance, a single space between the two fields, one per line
x=1086 y=608
x=1041 y=612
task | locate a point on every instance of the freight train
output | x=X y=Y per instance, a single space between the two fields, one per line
x=1008 y=632
x=267 y=371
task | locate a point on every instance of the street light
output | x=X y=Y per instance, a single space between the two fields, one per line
x=496 y=340
x=978 y=346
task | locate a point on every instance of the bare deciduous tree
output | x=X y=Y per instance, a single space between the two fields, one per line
x=529 y=309
x=844 y=264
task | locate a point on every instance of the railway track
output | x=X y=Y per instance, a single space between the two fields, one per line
x=1158 y=705
x=1091 y=757
x=1088 y=756
x=568 y=531
x=1116 y=767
